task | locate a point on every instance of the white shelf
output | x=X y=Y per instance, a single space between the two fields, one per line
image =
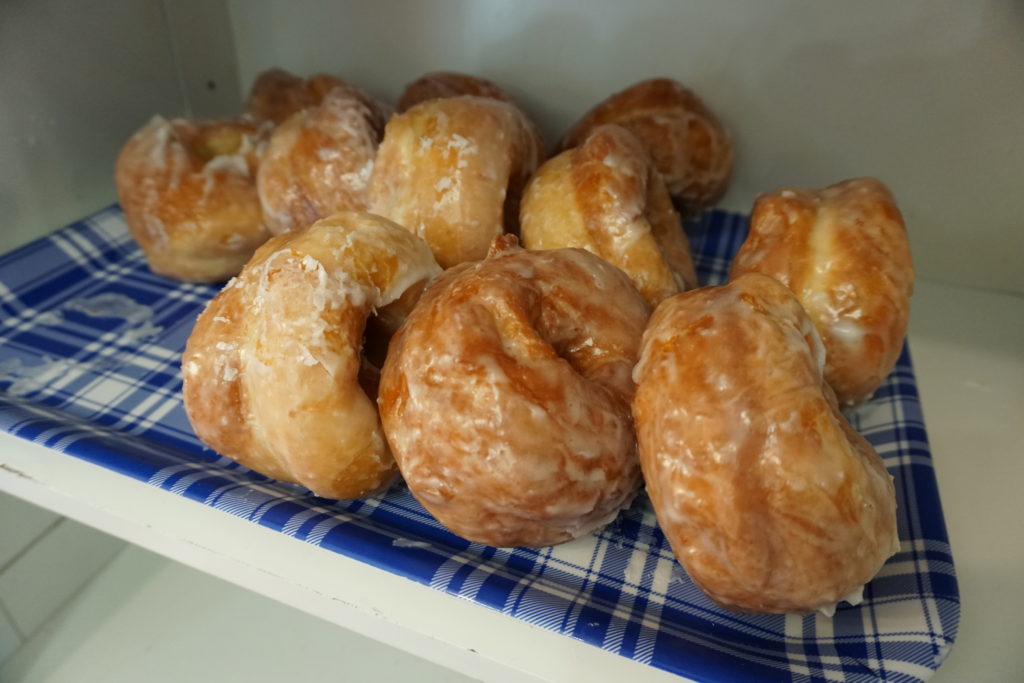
x=454 y=633
x=968 y=348
x=144 y=611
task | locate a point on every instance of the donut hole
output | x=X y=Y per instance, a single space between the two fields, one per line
x=376 y=337
x=215 y=142
x=667 y=231
x=510 y=207
x=571 y=345
x=535 y=315
x=369 y=377
x=380 y=326
x=548 y=318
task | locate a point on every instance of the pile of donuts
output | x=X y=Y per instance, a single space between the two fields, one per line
x=382 y=319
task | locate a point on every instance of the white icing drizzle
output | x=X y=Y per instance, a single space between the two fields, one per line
x=227 y=163
x=778 y=427
x=578 y=435
x=847 y=332
x=619 y=164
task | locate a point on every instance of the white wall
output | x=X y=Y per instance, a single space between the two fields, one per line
x=77 y=78
x=927 y=96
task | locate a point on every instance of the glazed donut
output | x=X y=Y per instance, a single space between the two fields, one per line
x=274 y=370
x=188 y=192
x=844 y=252
x=319 y=161
x=505 y=396
x=606 y=197
x=277 y=94
x=686 y=141
x=440 y=84
x=452 y=171
x=769 y=498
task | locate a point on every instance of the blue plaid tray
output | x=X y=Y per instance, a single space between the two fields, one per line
x=89 y=352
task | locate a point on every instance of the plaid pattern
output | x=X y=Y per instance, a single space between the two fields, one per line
x=90 y=343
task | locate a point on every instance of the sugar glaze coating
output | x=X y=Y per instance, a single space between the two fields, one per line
x=771 y=501
x=844 y=253
x=319 y=161
x=188 y=191
x=272 y=370
x=505 y=396
x=452 y=170
x=277 y=94
x=687 y=143
x=440 y=84
x=605 y=196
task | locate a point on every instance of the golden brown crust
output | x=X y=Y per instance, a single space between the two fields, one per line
x=440 y=84
x=685 y=140
x=770 y=499
x=844 y=253
x=452 y=170
x=188 y=193
x=319 y=161
x=272 y=368
x=505 y=396
x=606 y=197
x=277 y=94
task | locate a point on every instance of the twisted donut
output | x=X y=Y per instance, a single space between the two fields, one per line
x=606 y=197
x=440 y=84
x=452 y=171
x=685 y=140
x=770 y=499
x=318 y=162
x=188 y=193
x=277 y=94
x=843 y=252
x=505 y=396
x=272 y=370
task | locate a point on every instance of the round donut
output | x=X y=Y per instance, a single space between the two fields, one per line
x=319 y=161
x=606 y=197
x=188 y=192
x=505 y=396
x=844 y=252
x=688 y=144
x=452 y=170
x=274 y=371
x=769 y=498
x=277 y=94
x=440 y=84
